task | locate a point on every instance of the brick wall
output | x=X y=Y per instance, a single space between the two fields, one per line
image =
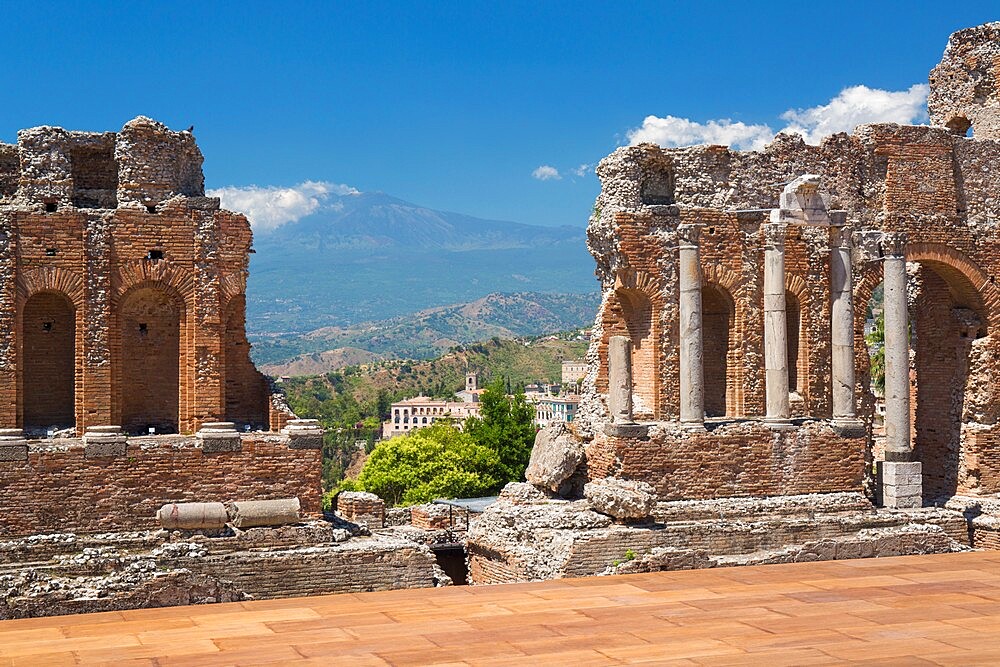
x=742 y=459
x=58 y=489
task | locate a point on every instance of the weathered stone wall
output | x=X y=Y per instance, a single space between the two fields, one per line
x=119 y=227
x=59 y=489
x=738 y=459
x=933 y=184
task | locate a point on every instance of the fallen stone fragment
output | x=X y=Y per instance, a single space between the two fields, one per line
x=620 y=498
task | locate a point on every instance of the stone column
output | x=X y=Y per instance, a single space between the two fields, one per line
x=901 y=478
x=775 y=328
x=692 y=381
x=842 y=325
x=620 y=379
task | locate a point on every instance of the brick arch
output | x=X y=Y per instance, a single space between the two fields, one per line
x=145 y=272
x=51 y=279
x=970 y=284
x=633 y=309
x=642 y=281
x=232 y=285
x=799 y=318
x=720 y=339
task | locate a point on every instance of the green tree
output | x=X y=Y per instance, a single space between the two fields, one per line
x=438 y=461
x=876 y=352
x=506 y=426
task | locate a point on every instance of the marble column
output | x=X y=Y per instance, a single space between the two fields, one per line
x=897 y=350
x=775 y=329
x=842 y=325
x=900 y=478
x=620 y=379
x=692 y=380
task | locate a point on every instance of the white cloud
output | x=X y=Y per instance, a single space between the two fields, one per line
x=851 y=107
x=858 y=105
x=546 y=173
x=271 y=206
x=583 y=169
x=671 y=131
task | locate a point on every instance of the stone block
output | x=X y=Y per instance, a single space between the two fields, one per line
x=13 y=451
x=219 y=437
x=895 y=473
x=104 y=448
x=633 y=431
x=554 y=457
x=304 y=434
x=621 y=499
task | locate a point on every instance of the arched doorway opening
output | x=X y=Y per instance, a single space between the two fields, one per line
x=718 y=315
x=637 y=311
x=48 y=330
x=948 y=335
x=149 y=379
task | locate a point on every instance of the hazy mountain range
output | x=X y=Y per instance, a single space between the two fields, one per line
x=369 y=275
x=364 y=257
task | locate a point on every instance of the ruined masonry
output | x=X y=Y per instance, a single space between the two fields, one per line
x=728 y=361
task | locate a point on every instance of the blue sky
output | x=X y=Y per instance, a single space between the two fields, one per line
x=456 y=105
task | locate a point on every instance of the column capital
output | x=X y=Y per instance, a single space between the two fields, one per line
x=774 y=235
x=893 y=244
x=841 y=236
x=688 y=234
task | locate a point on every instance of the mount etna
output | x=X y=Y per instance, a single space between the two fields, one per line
x=376 y=273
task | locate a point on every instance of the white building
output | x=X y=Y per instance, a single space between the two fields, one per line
x=555 y=409
x=414 y=413
x=573 y=371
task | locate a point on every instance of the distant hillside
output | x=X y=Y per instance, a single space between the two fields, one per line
x=427 y=333
x=370 y=256
x=520 y=363
x=318 y=363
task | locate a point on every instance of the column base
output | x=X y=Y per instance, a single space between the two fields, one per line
x=101 y=442
x=901 y=484
x=13 y=446
x=778 y=423
x=693 y=426
x=219 y=437
x=626 y=430
x=849 y=427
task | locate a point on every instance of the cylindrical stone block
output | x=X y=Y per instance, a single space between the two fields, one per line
x=253 y=513
x=620 y=379
x=192 y=516
x=692 y=380
x=775 y=324
x=897 y=350
x=842 y=324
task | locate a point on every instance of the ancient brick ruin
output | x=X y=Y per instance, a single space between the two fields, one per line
x=122 y=287
x=729 y=361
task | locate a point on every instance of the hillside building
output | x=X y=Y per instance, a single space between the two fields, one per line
x=414 y=413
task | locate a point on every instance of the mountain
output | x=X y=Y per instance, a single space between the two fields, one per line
x=426 y=333
x=370 y=256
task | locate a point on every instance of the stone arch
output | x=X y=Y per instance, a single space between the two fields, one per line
x=150 y=341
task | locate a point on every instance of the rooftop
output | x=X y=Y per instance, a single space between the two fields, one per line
x=940 y=609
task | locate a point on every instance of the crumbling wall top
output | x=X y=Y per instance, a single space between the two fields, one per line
x=964 y=85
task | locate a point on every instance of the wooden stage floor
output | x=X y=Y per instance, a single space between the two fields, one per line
x=919 y=610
